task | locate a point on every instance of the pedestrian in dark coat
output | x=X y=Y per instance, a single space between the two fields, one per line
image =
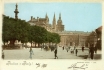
x=82 y=48
x=55 y=53
x=76 y=51
x=63 y=47
x=92 y=51
x=3 y=55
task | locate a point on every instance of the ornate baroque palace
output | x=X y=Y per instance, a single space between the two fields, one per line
x=68 y=38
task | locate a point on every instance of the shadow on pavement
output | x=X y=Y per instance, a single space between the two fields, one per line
x=96 y=56
x=83 y=56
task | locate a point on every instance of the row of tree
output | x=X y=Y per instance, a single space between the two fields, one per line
x=22 y=31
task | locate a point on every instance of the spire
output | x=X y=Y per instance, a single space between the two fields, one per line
x=54 y=22
x=54 y=15
x=54 y=19
x=16 y=12
x=60 y=16
x=47 y=19
x=46 y=16
x=59 y=22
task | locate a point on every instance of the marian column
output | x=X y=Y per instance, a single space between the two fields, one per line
x=16 y=12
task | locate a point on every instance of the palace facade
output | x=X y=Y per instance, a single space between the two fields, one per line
x=74 y=38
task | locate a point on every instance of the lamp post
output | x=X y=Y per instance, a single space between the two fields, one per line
x=95 y=39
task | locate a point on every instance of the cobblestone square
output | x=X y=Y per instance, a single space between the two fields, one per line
x=42 y=54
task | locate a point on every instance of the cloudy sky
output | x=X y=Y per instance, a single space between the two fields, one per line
x=75 y=16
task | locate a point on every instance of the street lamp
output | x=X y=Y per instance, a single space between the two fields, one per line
x=95 y=39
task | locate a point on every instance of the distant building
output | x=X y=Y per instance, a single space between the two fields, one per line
x=74 y=38
x=99 y=33
x=68 y=38
x=44 y=22
x=92 y=38
x=99 y=37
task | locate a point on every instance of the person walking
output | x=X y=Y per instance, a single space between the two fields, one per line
x=74 y=47
x=72 y=51
x=63 y=47
x=82 y=48
x=91 y=51
x=55 y=53
x=3 y=55
x=31 y=53
x=67 y=49
x=76 y=51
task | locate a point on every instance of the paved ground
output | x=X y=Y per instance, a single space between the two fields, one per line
x=42 y=54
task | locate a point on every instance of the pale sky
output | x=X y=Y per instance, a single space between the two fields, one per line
x=75 y=16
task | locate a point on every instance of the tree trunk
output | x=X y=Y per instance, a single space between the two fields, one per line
x=38 y=45
x=49 y=43
x=4 y=43
x=35 y=44
x=31 y=43
x=12 y=43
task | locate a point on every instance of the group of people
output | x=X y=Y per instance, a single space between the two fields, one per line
x=75 y=49
x=92 y=49
x=72 y=50
x=32 y=53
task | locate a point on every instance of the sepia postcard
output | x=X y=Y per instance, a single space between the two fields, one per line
x=51 y=35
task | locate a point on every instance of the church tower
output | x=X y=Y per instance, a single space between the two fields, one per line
x=16 y=12
x=54 y=22
x=47 y=19
x=59 y=22
x=60 y=27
